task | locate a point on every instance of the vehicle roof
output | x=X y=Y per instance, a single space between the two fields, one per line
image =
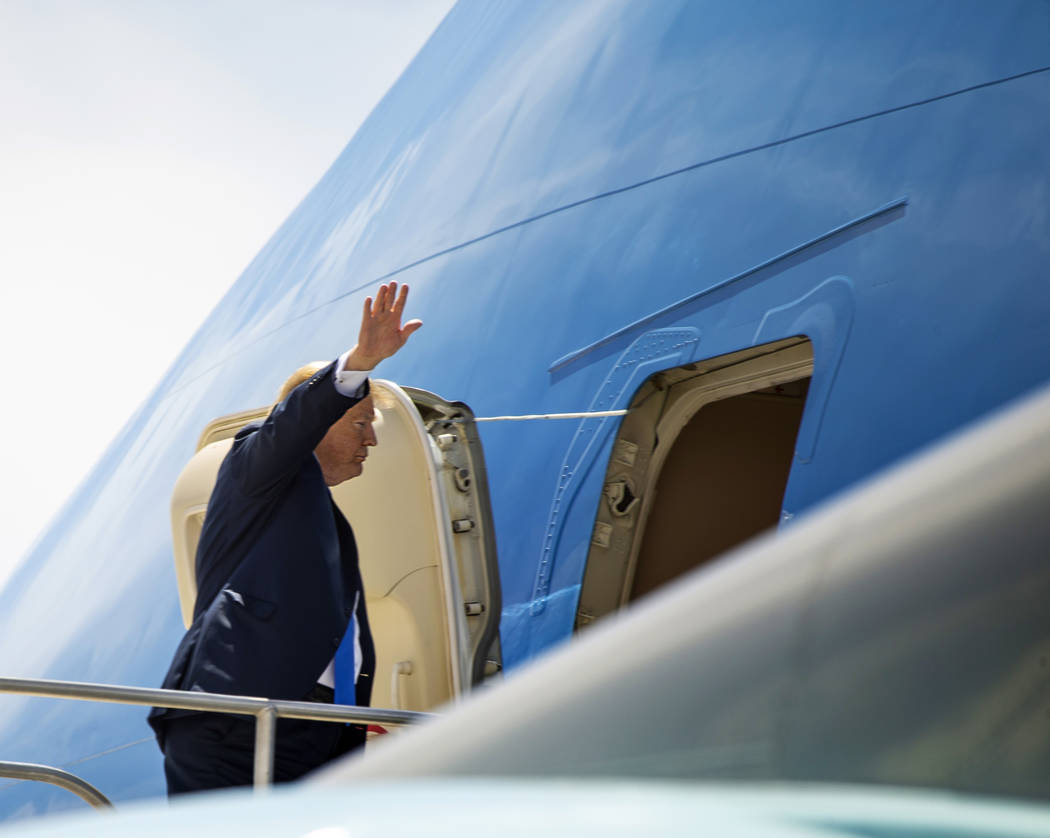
x=560 y=807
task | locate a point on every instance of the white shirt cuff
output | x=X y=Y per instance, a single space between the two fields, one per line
x=348 y=383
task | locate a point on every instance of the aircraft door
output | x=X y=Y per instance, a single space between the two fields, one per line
x=421 y=517
x=422 y=521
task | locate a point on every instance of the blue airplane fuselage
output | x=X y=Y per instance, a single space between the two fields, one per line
x=580 y=195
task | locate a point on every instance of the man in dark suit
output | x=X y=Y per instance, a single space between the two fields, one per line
x=280 y=609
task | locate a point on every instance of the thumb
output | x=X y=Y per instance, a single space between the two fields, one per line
x=410 y=327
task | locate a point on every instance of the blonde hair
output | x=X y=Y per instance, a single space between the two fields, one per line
x=304 y=373
x=380 y=398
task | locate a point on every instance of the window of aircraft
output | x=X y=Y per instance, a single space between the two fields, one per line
x=423 y=527
x=700 y=465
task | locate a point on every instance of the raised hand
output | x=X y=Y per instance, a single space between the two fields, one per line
x=381 y=333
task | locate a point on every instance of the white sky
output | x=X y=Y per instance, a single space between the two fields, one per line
x=147 y=151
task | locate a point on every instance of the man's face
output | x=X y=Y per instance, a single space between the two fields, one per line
x=344 y=448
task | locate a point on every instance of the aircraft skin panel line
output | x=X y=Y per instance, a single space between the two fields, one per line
x=683 y=170
x=609 y=193
x=885 y=210
x=567 y=359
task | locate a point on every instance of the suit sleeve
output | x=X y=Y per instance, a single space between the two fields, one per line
x=275 y=452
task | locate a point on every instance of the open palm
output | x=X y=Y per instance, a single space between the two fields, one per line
x=382 y=333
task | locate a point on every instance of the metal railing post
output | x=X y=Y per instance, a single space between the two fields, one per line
x=265 y=735
x=266 y=712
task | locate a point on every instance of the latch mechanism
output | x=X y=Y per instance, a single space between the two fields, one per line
x=621 y=497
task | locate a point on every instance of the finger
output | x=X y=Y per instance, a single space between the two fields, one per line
x=367 y=314
x=381 y=296
x=392 y=295
x=399 y=305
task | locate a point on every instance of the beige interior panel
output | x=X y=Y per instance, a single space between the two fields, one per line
x=403 y=539
x=189 y=502
x=405 y=647
x=398 y=647
x=396 y=514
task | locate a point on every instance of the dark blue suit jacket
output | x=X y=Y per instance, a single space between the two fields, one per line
x=277 y=571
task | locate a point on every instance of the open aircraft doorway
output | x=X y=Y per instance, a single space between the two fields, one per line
x=700 y=465
x=422 y=521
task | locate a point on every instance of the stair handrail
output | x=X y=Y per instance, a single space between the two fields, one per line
x=266 y=711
